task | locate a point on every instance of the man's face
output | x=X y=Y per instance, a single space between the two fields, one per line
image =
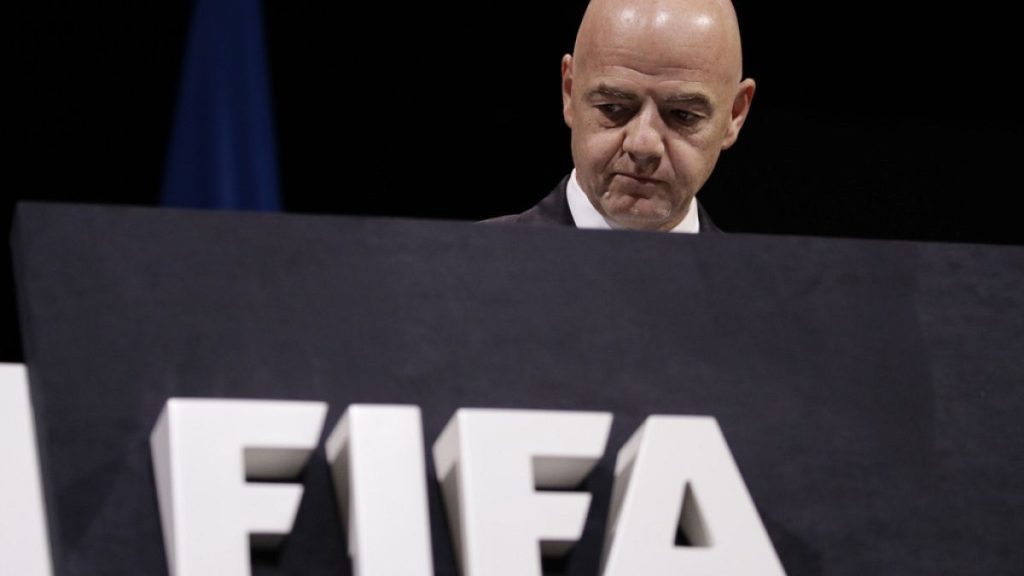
x=651 y=105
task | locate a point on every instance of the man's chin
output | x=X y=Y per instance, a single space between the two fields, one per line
x=641 y=221
x=640 y=214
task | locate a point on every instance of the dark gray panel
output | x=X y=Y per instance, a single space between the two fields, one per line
x=870 y=391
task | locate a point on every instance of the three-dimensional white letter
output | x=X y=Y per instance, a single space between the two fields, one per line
x=676 y=475
x=376 y=458
x=24 y=543
x=203 y=453
x=491 y=464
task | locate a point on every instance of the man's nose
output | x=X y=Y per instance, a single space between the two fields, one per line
x=643 y=140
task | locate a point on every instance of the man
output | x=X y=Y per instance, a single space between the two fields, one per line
x=652 y=94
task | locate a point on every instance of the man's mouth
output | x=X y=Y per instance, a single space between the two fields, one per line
x=638 y=179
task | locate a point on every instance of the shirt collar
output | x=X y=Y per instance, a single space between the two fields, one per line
x=586 y=216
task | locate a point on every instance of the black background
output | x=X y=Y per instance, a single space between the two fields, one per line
x=869 y=121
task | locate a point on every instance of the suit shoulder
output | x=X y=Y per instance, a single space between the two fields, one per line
x=553 y=210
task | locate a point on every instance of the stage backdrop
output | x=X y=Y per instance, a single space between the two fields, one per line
x=871 y=392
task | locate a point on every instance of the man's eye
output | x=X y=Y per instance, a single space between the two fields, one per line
x=685 y=116
x=613 y=111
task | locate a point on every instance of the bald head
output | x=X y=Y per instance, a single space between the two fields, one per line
x=653 y=93
x=677 y=30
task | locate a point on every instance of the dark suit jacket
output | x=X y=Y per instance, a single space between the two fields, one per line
x=553 y=210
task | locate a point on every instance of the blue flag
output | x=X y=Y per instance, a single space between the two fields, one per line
x=222 y=152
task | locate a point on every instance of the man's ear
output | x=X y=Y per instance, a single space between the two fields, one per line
x=740 y=109
x=567 y=89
